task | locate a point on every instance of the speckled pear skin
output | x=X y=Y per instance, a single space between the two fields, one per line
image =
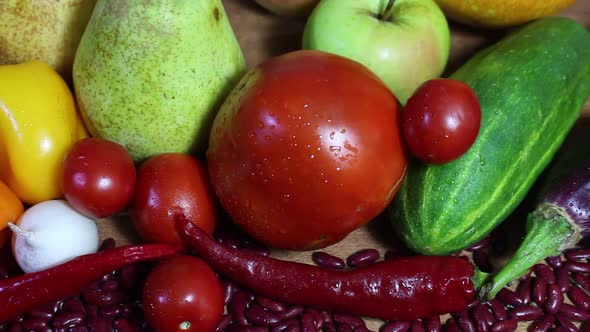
x=47 y=31
x=151 y=74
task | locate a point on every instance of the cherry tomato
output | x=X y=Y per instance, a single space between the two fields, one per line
x=306 y=149
x=183 y=294
x=172 y=183
x=98 y=177
x=441 y=120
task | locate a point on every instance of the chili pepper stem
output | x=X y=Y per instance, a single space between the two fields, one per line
x=27 y=236
x=479 y=277
x=549 y=230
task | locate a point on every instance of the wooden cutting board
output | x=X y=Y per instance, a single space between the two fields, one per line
x=263 y=35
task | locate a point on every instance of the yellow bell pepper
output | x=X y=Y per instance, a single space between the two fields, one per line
x=39 y=123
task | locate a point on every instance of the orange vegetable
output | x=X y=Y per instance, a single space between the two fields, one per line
x=11 y=208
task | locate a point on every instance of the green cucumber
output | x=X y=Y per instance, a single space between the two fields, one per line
x=531 y=85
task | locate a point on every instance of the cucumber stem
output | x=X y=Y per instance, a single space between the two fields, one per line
x=548 y=228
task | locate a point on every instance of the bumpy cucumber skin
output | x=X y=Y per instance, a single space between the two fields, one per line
x=531 y=85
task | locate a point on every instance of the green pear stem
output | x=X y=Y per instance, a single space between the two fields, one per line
x=27 y=236
x=546 y=236
x=388 y=11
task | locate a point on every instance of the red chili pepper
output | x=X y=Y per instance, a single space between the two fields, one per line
x=405 y=288
x=28 y=291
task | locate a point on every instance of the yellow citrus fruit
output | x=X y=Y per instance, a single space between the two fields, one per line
x=500 y=13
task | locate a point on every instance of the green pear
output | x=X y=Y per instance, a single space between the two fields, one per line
x=150 y=75
x=47 y=31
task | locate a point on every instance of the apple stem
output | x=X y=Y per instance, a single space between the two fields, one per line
x=386 y=15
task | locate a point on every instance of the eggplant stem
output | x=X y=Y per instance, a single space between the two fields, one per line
x=546 y=234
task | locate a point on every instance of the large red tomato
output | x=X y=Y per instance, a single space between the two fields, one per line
x=172 y=183
x=306 y=149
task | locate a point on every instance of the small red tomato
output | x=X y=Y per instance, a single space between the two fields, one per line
x=172 y=183
x=441 y=120
x=98 y=177
x=183 y=294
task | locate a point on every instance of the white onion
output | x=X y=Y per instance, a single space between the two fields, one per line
x=50 y=233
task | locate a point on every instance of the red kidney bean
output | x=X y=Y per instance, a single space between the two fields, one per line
x=554 y=261
x=363 y=257
x=328 y=327
x=432 y=324
x=524 y=290
x=42 y=313
x=542 y=325
x=286 y=325
x=67 y=319
x=257 y=315
x=482 y=260
x=507 y=325
x=128 y=276
x=91 y=310
x=574 y=266
x=585 y=328
x=509 y=297
x=351 y=320
x=577 y=254
x=228 y=290
x=566 y=323
x=562 y=279
x=345 y=328
x=482 y=317
x=361 y=329
x=578 y=297
x=396 y=326
x=560 y=329
x=245 y=328
x=110 y=311
x=291 y=312
x=417 y=326
x=480 y=245
x=307 y=322
x=35 y=324
x=574 y=313
x=451 y=326
x=110 y=285
x=539 y=292
x=237 y=307
x=78 y=328
x=124 y=325
x=526 y=313
x=582 y=280
x=226 y=319
x=108 y=243
x=324 y=259
x=464 y=322
x=73 y=304
x=554 y=299
x=498 y=309
x=100 y=298
x=270 y=304
x=544 y=272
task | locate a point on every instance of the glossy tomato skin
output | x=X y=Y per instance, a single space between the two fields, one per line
x=306 y=149
x=441 y=120
x=98 y=177
x=183 y=294
x=172 y=183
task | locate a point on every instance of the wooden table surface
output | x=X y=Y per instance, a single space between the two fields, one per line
x=263 y=35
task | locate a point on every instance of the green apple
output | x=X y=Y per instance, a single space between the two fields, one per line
x=294 y=8
x=404 y=42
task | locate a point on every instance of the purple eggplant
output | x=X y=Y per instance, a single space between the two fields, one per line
x=560 y=220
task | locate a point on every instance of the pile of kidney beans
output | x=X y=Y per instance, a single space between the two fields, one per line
x=552 y=297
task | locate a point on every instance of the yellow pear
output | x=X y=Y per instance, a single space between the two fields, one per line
x=43 y=30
